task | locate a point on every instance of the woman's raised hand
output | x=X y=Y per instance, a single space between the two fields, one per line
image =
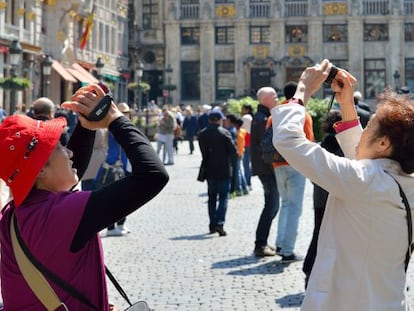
x=85 y=100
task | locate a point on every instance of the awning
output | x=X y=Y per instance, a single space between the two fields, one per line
x=62 y=72
x=85 y=73
x=78 y=75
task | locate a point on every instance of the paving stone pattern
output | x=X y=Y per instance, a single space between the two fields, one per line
x=172 y=262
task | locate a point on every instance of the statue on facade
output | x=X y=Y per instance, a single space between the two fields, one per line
x=172 y=11
x=68 y=56
x=277 y=11
x=355 y=8
x=207 y=11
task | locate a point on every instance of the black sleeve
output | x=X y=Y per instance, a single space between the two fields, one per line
x=81 y=143
x=110 y=203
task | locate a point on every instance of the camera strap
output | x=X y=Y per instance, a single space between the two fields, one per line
x=409 y=222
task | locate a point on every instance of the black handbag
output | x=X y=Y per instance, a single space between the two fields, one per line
x=202 y=172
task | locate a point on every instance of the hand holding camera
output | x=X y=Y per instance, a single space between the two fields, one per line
x=94 y=107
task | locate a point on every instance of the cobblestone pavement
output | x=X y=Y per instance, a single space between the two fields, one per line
x=171 y=261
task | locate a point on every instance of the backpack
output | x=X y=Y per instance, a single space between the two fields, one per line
x=269 y=152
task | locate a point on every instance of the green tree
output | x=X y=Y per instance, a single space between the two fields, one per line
x=235 y=105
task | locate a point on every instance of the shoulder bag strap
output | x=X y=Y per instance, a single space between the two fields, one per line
x=44 y=272
x=36 y=281
x=409 y=223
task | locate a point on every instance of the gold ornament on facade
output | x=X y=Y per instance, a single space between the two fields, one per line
x=296 y=50
x=260 y=51
x=225 y=10
x=335 y=9
x=50 y=2
x=31 y=16
x=3 y=5
x=21 y=11
x=106 y=59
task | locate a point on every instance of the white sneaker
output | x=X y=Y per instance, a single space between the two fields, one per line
x=114 y=232
x=123 y=229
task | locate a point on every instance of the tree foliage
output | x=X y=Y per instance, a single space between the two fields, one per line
x=317 y=108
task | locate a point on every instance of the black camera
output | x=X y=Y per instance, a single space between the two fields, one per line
x=332 y=75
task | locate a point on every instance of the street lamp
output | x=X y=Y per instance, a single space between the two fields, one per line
x=169 y=71
x=396 y=77
x=99 y=65
x=15 y=51
x=47 y=70
x=138 y=74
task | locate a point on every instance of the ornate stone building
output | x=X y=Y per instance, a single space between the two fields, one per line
x=224 y=48
x=55 y=28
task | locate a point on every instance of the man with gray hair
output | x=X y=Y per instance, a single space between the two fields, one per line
x=264 y=172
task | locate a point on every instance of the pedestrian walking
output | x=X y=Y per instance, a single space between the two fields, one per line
x=218 y=151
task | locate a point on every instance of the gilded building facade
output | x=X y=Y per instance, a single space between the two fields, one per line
x=230 y=48
x=55 y=28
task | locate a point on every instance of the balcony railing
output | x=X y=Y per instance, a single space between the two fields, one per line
x=296 y=8
x=190 y=11
x=259 y=9
x=376 y=7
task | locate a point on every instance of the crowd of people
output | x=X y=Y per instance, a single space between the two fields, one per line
x=362 y=172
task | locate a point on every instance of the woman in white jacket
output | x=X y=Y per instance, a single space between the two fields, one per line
x=363 y=241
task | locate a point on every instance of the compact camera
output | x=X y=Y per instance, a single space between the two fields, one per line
x=332 y=75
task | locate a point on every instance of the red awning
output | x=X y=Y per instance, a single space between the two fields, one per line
x=62 y=72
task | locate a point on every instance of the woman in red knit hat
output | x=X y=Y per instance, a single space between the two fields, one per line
x=59 y=226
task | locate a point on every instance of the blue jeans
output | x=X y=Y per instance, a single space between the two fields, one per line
x=217 y=188
x=271 y=206
x=241 y=184
x=246 y=166
x=291 y=185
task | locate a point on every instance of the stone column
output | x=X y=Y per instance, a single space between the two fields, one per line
x=172 y=56
x=241 y=52
x=356 y=50
x=207 y=66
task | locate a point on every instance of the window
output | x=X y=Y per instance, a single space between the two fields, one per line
x=375 y=7
x=259 y=8
x=224 y=1
x=409 y=32
x=259 y=34
x=297 y=33
x=149 y=14
x=190 y=9
x=224 y=35
x=409 y=74
x=374 y=74
x=335 y=33
x=296 y=8
x=376 y=32
x=190 y=80
x=225 y=79
x=190 y=35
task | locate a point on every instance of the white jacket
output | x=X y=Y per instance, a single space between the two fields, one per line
x=363 y=237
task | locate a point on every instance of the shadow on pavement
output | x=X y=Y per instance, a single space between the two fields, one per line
x=294 y=300
x=268 y=267
x=205 y=236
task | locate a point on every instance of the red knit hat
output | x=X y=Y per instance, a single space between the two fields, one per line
x=25 y=146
